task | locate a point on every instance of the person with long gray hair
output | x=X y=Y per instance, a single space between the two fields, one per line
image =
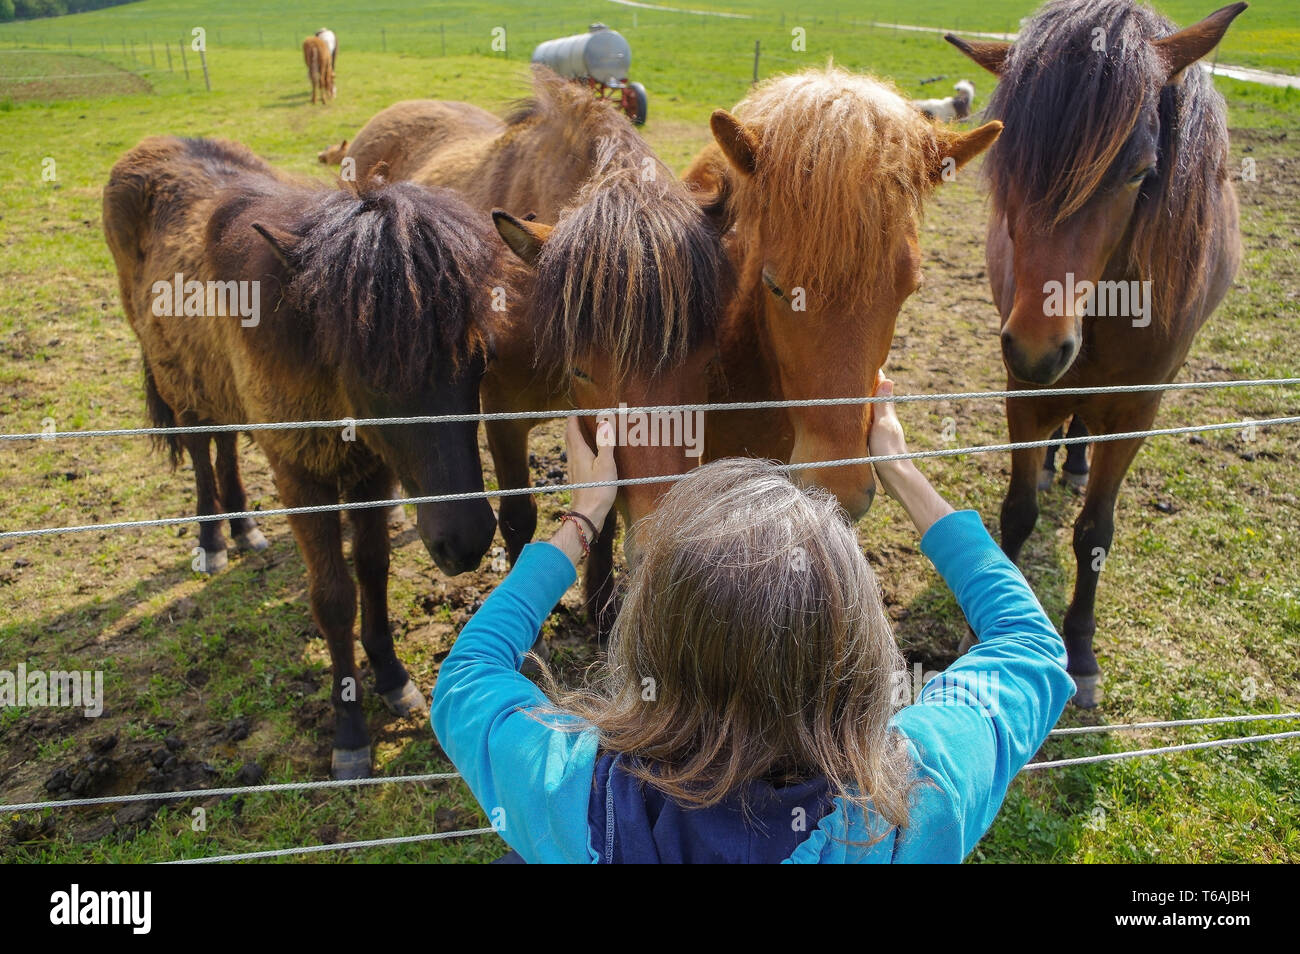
x=754 y=704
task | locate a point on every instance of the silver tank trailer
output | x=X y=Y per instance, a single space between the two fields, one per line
x=601 y=54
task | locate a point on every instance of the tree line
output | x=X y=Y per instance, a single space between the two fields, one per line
x=32 y=9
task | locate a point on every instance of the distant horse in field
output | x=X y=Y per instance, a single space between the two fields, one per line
x=824 y=174
x=1113 y=236
x=320 y=69
x=332 y=43
x=376 y=304
x=626 y=285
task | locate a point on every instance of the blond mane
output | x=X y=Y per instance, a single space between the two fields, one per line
x=842 y=162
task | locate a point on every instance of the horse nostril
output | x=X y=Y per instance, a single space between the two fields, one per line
x=1009 y=351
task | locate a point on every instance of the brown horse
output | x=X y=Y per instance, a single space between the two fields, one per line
x=376 y=305
x=320 y=68
x=824 y=173
x=333 y=155
x=626 y=287
x=1113 y=236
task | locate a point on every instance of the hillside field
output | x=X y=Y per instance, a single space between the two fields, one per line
x=1199 y=606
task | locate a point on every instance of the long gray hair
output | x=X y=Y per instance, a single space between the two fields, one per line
x=752 y=644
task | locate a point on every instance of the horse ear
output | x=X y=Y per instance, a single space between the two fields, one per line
x=1180 y=50
x=737 y=143
x=710 y=186
x=281 y=242
x=990 y=54
x=958 y=148
x=524 y=238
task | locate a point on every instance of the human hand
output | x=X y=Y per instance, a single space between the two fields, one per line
x=900 y=478
x=585 y=466
x=886 y=438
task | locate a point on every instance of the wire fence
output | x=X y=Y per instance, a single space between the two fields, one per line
x=641 y=481
x=712 y=407
x=300 y=850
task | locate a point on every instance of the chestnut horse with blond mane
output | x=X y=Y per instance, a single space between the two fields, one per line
x=626 y=285
x=824 y=173
x=1113 y=174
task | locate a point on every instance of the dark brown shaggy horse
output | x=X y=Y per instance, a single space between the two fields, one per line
x=825 y=174
x=363 y=304
x=626 y=287
x=1110 y=184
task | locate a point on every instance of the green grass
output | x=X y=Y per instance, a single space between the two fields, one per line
x=1199 y=608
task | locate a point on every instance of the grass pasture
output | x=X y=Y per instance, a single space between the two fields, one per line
x=214 y=682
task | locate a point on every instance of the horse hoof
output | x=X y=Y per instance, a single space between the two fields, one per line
x=216 y=561
x=1077 y=482
x=966 y=643
x=350 y=763
x=254 y=539
x=1086 y=696
x=406 y=701
x=1045 y=478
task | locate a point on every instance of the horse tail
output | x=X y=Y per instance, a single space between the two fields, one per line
x=161 y=415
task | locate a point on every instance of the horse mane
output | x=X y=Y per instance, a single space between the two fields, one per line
x=569 y=110
x=1068 y=123
x=842 y=160
x=633 y=268
x=393 y=277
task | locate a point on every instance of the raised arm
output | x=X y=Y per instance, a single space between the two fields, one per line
x=530 y=771
x=975 y=725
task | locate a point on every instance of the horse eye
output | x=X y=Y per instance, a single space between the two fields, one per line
x=1139 y=176
x=772 y=286
x=581 y=375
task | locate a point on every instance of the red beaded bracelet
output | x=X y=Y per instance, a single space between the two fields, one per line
x=582 y=536
x=595 y=534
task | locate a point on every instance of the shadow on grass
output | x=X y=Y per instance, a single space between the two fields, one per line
x=232 y=649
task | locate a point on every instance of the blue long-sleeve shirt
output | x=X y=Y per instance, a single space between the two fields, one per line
x=971 y=730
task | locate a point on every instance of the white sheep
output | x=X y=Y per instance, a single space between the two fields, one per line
x=957 y=106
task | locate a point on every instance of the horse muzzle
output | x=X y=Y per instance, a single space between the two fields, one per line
x=1039 y=366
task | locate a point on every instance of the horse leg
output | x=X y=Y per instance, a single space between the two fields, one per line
x=1076 y=457
x=333 y=598
x=370 y=557
x=213 y=558
x=516 y=515
x=1048 y=473
x=1093 y=533
x=233 y=499
x=599 y=581
x=1027 y=420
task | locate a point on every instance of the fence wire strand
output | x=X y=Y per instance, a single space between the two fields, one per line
x=635 y=481
x=488 y=416
x=1161 y=750
x=446 y=776
x=341 y=846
